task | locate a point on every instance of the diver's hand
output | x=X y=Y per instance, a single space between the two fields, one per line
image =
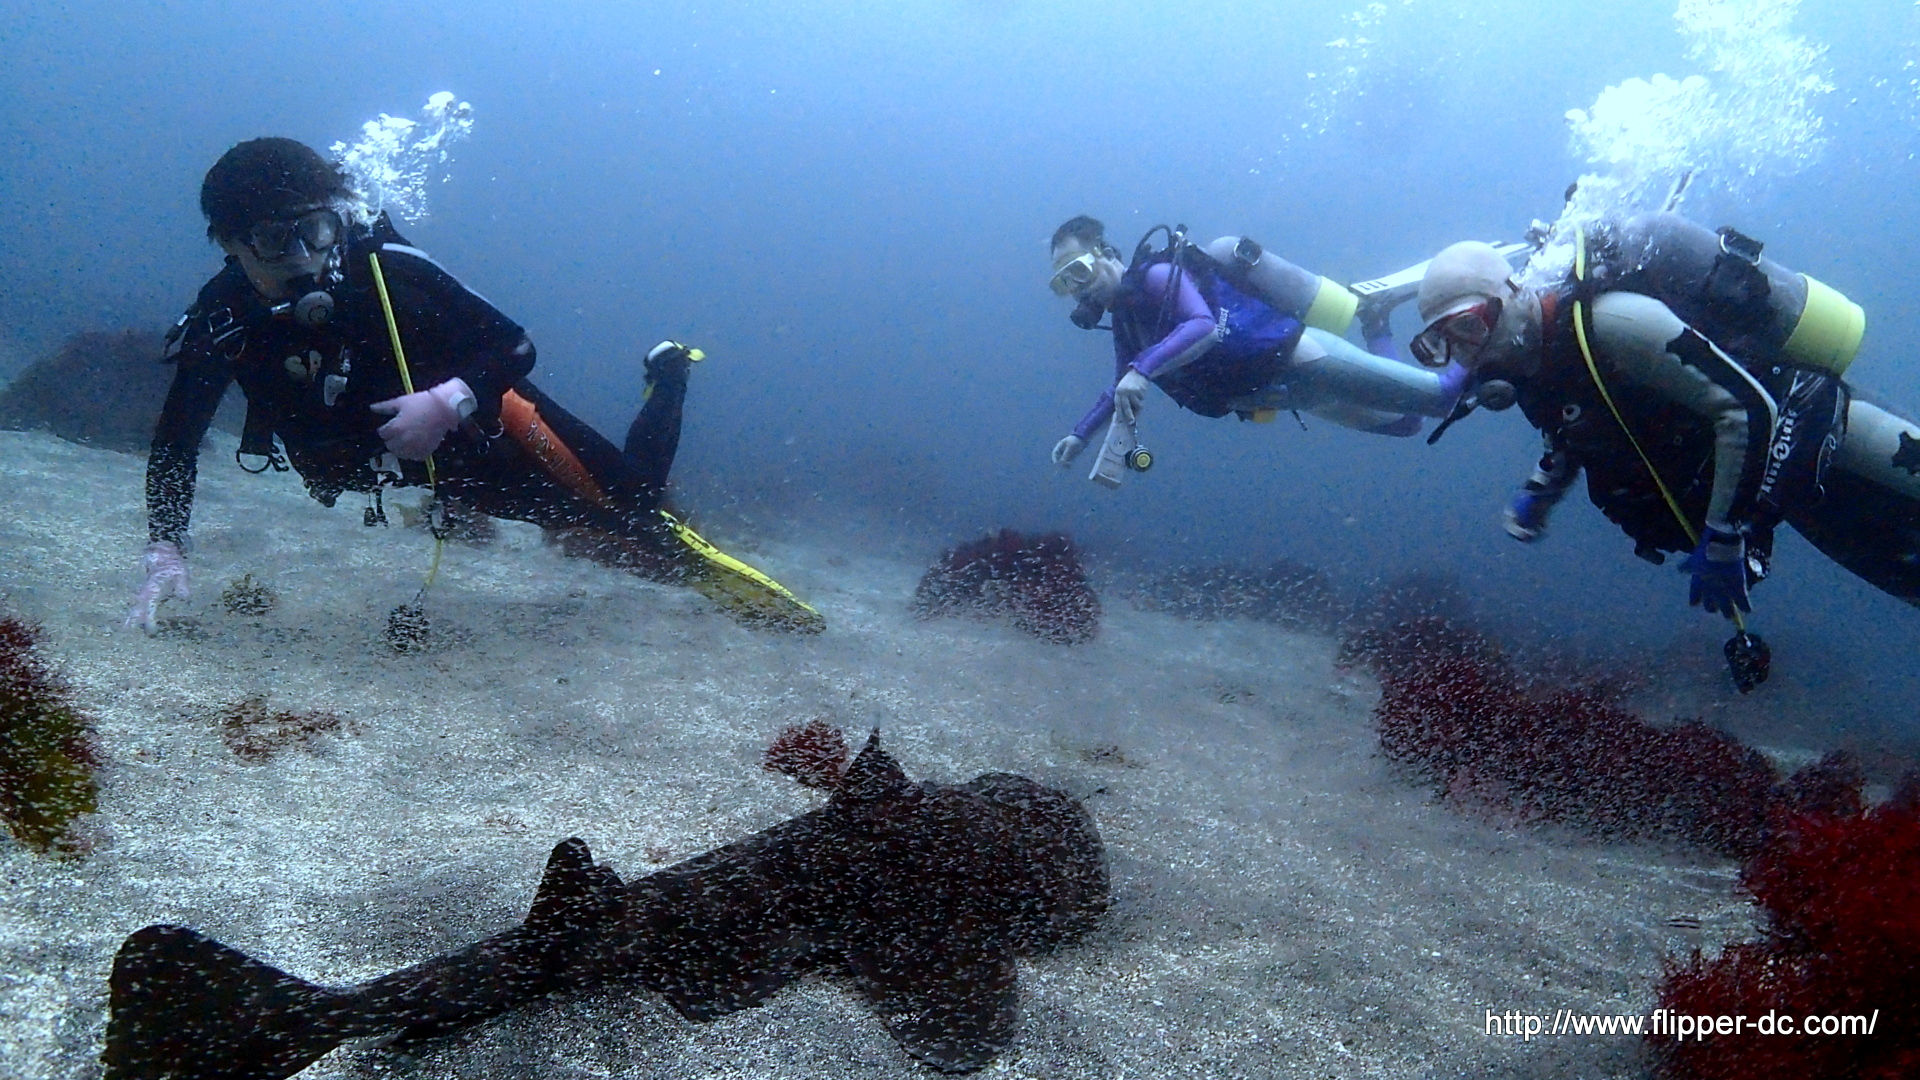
x=423 y=418
x=1526 y=516
x=1128 y=394
x=1376 y=319
x=1719 y=569
x=166 y=570
x=1067 y=449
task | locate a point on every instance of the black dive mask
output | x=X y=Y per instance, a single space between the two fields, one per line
x=1086 y=314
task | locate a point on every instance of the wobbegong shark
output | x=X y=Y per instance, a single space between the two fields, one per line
x=924 y=893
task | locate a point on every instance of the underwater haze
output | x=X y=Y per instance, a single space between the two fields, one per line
x=847 y=206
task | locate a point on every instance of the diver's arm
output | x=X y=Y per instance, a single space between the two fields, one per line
x=1101 y=412
x=173 y=462
x=1647 y=345
x=482 y=347
x=1193 y=329
x=1527 y=512
x=490 y=372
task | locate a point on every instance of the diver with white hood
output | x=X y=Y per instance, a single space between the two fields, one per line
x=1231 y=329
x=1698 y=386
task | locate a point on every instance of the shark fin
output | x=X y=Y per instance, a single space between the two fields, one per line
x=952 y=1002
x=873 y=775
x=185 y=1007
x=574 y=894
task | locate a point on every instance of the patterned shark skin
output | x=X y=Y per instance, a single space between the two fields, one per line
x=923 y=893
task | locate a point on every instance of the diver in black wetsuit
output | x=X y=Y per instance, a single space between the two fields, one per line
x=299 y=317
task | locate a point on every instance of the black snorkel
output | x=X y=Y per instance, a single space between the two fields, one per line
x=1494 y=395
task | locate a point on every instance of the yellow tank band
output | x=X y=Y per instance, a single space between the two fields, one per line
x=1332 y=308
x=1263 y=416
x=1829 y=331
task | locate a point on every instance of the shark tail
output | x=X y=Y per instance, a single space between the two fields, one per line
x=186 y=1007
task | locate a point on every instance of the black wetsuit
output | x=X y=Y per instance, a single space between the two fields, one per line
x=312 y=388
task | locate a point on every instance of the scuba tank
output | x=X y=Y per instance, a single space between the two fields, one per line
x=1719 y=283
x=1319 y=302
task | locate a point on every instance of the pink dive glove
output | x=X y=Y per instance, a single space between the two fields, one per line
x=421 y=419
x=166 y=572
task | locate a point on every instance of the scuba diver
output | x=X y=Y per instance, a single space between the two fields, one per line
x=1698 y=386
x=374 y=367
x=1232 y=329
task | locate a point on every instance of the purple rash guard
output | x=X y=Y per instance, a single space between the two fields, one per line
x=1196 y=321
x=1193 y=321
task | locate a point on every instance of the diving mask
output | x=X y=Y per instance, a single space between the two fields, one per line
x=296 y=237
x=1458 y=335
x=1075 y=274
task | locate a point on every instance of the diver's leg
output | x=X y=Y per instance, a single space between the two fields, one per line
x=1329 y=369
x=611 y=472
x=538 y=476
x=654 y=437
x=1869 y=519
x=1371 y=421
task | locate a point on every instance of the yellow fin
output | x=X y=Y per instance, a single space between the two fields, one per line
x=745 y=593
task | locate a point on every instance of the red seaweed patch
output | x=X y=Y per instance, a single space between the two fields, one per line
x=1841 y=889
x=47 y=751
x=1034 y=582
x=255 y=732
x=1452 y=708
x=814 y=753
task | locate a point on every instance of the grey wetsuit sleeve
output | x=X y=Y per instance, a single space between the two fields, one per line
x=1643 y=344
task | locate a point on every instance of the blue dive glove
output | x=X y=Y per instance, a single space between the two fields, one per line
x=1719 y=569
x=1526 y=516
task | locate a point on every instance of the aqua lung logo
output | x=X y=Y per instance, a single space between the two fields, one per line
x=1779 y=452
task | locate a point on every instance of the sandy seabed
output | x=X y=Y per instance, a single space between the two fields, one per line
x=1285 y=904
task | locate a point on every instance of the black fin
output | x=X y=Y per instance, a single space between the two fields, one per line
x=873 y=773
x=953 y=1002
x=574 y=894
x=185 y=1007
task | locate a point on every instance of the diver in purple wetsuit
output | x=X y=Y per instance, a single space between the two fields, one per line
x=1231 y=329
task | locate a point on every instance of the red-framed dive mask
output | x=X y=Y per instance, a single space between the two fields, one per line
x=1457 y=336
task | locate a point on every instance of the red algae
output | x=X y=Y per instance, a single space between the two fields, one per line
x=814 y=753
x=1034 y=582
x=1452 y=708
x=1842 y=895
x=47 y=750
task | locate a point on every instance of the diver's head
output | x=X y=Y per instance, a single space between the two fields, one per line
x=278 y=207
x=1086 y=268
x=1467 y=289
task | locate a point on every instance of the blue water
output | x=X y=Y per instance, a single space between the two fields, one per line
x=847 y=205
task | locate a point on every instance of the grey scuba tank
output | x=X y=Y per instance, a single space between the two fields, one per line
x=1719 y=283
x=1319 y=302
